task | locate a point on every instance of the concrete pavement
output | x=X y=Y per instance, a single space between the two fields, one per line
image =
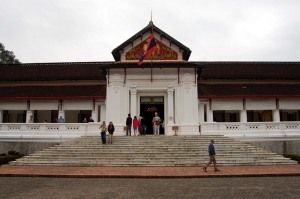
x=144 y=188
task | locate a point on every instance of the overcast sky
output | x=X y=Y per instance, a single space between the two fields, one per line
x=88 y=30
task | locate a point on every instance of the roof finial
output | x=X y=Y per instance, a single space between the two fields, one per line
x=151 y=17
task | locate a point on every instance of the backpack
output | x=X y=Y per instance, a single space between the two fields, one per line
x=157 y=122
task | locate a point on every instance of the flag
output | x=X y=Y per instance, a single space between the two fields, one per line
x=150 y=47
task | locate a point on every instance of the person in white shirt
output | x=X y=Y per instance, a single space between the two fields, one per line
x=156 y=124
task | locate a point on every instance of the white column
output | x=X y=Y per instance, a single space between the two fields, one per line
x=29 y=117
x=276 y=115
x=170 y=106
x=61 y=113
x=133 y=102
x=243 y=116
x=210 y=113
x=1 y=116
x=169 y=121
x=95 y=115
x=103 y=113
x=201 y=112
x=210 y=116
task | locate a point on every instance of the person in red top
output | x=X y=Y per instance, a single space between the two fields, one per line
x=135 y=125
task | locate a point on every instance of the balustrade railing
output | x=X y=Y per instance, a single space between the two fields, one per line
x=249 y=129
x=69 y=130
x=47 y=130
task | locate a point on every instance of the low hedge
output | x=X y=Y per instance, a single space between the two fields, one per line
x=10 y=156
x=293 y=157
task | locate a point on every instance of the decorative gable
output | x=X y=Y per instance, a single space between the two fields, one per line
x=161 y=53
x=168 y=48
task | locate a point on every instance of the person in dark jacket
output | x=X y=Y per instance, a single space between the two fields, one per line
x=212 y=154
x=103 y=130
x=110 y=129
x=128 y=125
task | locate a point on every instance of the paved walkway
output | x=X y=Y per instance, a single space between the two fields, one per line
x=142 y=172
x=287 y=187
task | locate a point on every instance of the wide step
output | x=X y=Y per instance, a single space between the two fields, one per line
x=151 y=151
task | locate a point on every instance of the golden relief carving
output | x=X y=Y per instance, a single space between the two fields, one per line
x=161 y=53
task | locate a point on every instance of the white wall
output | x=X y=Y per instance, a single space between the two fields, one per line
x=227 y=104
x=138 y=82
x=292 y=104
x=78 y=105
x=13 y=105
x=44 y=105
x=260 y=104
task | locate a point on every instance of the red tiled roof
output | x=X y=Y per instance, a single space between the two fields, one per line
x=53 y=71
x=249 y=70
x=53 y=92
x=248 y=90
x=97 y=70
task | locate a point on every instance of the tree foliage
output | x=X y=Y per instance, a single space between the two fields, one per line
x=7 y=57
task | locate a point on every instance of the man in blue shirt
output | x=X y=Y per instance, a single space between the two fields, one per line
x=212 y=159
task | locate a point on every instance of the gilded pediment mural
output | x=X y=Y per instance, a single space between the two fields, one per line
x=162 y=52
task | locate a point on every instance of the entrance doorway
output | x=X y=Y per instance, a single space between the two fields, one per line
x=148 y=106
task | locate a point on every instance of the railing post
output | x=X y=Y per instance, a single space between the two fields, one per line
x=1 y=116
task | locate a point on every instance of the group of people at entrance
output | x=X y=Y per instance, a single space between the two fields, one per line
x=138 y=129
x=139 y=126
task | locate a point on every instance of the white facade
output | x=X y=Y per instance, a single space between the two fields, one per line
x=183 y=110
x=180 y=96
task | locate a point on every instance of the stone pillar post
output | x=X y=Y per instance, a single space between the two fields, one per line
x=243 y=116
x=169 y=121
x=210 y=117
x=61 y=113
x=1 y=116
x=133 y=102
x=95 y=115
x=29 y=117
x=276 y=115
x=103 y=113
x=170 y=106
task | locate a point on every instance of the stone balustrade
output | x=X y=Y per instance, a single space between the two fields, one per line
x=63 y=131
x=47 y=131
x=252 y=129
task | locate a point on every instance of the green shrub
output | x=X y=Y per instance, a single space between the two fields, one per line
x=11 y=156
x=293 y=157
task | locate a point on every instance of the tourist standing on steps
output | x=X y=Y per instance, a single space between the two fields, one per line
x=110 y=129
x=212 y=154
x=143 y=127
x=103 y=130
x=135 y=125
x=156 y=123
x=128 y=125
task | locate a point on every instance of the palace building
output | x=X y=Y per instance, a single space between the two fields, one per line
x=151 y=73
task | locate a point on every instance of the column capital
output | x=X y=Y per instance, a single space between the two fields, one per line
x=170 y=90
x=133 y=90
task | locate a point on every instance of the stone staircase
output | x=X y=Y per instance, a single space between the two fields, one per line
x=151 y=151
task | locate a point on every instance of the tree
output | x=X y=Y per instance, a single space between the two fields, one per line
x=7 y=57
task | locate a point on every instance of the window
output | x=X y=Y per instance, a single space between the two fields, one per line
x=259 y=116
x=289 y=115
x=226 y=116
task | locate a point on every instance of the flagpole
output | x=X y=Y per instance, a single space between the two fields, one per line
x=152 y=52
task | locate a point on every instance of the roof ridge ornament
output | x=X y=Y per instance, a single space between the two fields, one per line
x=151 y=21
